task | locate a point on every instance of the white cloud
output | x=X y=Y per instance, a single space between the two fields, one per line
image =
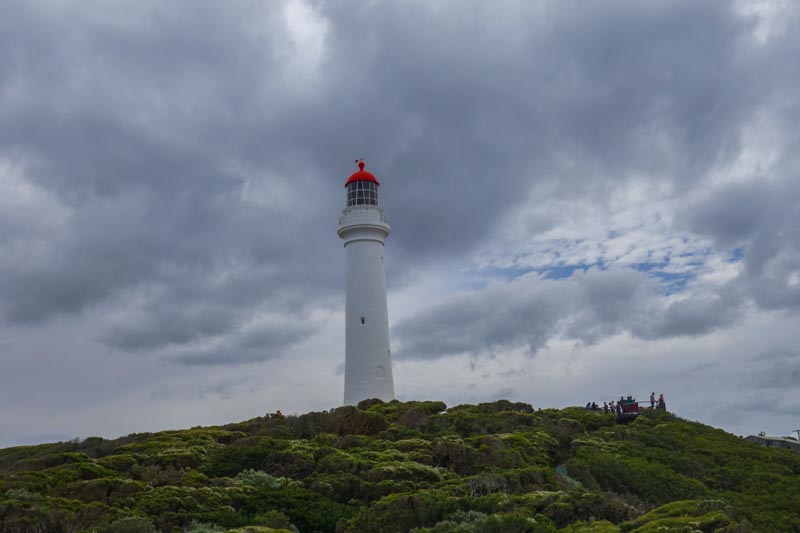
x=307 y=31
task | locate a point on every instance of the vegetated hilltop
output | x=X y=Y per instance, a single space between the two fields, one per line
x=387 y=467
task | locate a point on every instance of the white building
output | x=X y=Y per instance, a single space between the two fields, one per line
x=363 y=227
x=775 y=442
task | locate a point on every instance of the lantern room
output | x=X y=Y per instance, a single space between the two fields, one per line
x=362 y=188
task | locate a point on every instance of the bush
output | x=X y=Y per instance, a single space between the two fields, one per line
x=394 y=466
x=275 y=520
x=306 y=509
x=203 y=527
x=21 y=494
x=348 y=420
x=259 y=479
x=130 y=524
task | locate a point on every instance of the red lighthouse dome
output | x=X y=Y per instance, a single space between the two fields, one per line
x=361 y=175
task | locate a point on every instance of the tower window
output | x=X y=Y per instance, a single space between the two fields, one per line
x=362 y=193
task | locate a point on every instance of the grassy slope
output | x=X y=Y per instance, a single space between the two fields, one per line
x=399 y=466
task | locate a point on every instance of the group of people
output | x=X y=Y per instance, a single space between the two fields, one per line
x=661 y=403
x=616 y=407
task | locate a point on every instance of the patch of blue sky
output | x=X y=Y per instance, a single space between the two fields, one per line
x=736 y=255
x=672 y=282
x=649 y=266
x=562 y=271
x=672 y=270
x=555 y=271
x=509 y=273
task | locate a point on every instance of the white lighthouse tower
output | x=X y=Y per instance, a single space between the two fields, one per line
x=363 y=227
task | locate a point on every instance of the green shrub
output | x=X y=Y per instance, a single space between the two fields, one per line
x=130 y=524
x=517 y=522
x=306 y=509
x=202 y=527
x=275 y=520
x=21 y=494
x=102 y=489
x=259 y=479
x=349 y=420
x=458 y=522
x=708 y=523
x=404 y=471
x=680 y=513
x=266 y=454
x=394 y=466
x=122 y=463
x=456 y=455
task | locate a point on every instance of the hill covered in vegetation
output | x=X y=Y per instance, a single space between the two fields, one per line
x=414 y=466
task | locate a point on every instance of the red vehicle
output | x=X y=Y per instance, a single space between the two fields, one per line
x=627 y=409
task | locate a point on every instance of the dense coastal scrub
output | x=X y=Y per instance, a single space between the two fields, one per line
x=414 y=466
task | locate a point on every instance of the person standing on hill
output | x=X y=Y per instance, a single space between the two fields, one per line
x=661 y=403
x=652 y=400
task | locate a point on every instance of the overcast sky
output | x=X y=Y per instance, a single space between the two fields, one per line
x=587 y=199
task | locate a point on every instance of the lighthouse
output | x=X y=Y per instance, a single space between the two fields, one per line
x=363 y=228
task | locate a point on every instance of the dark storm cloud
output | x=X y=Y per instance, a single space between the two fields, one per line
x=530 y=311
x=696 y=315
x=169 y=323
x=732 y=215
x=254 y=344
x=775 y=369
x=174 y=218
x=199 y=159
x=496 y=101
x=762 y=214
x=761 y=217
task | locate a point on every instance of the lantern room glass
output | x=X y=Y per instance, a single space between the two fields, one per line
x=362 y=193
